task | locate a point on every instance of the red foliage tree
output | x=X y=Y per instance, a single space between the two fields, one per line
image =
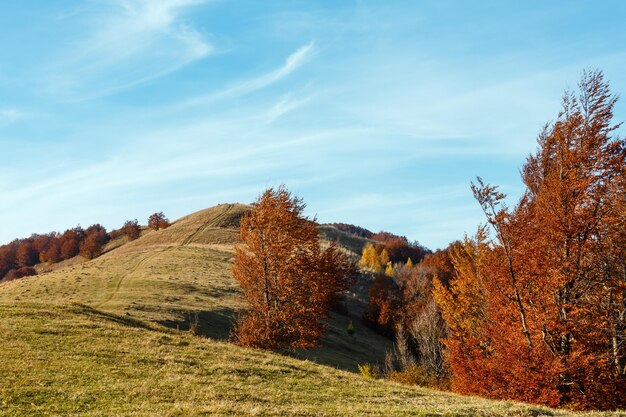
x=14 y=274
x=539 y=315
x=131 y=229
x=7 y=259
x=91 y=247
x=51 y=254
x=26 y=255
x=158 y=221
x=399 y=248
x=384 y=303
x=440 y=262
x=288 y=280
x=70 y=243
x=95 y=238
x=99 y=231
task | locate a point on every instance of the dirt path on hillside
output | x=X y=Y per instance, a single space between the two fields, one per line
x=124 y=276
x=206 y=226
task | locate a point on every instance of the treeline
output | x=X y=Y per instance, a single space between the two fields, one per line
x=389 y=249
x=533 y=306
x=19 y=257
x=353 y=230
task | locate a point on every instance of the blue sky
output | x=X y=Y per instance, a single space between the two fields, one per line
x=376 y=113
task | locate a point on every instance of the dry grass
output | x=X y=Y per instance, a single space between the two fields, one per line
x=170 y=276
x=74 y=360
x=108 y=337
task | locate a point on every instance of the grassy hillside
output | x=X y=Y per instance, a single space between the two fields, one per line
x=75 y=360
x=174 y=275
x=109 y=337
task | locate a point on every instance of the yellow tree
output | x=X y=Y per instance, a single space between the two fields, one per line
x=389 y=270
x=384 y=257
x=370 y=258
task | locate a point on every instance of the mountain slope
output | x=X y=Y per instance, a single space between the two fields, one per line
x=182 y=274
x=73 y=360
x=108 y=337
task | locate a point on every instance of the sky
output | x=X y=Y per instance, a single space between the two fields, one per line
x=375 y=113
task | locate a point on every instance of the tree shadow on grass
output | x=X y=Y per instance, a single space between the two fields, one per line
x=94 y=313
x=215 y=324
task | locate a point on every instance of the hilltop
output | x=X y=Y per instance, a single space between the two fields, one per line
x=111 y=336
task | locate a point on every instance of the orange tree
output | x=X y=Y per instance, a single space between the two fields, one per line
x=539 y=314
x=287 y=279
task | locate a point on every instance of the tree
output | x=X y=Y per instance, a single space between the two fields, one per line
x=158 y=221
x=370 y=258
x=91 y=247
x=350 y=329
x=384 y=258
x=398 y=248
x=441 y=263
x=26 y=255
x=131 y=229
x=289 y=282
x=100 y=231
x=384 y=303
x=539 y=313
x=389 y=269
x=52 y=254
x=70 y=242
x=7 y=259
x=421 y=319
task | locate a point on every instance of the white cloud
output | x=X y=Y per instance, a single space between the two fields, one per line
x=135 y=42
x=293 y=62
x=285 y=105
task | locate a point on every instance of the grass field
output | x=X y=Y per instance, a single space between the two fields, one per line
x=174 y=275
x=76 y=360
x=109 y=337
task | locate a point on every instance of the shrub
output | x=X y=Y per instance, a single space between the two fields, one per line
x=14 y=274
x=413 y=374
x=350 y=328
x=369 y=371
x=131 y=229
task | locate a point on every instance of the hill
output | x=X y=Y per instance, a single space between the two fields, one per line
x=109 y=337
x=182 y=274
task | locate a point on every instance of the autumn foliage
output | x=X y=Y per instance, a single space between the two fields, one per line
x=158 y=221
x=18 y=257
x=539 y=313
x=131 y=229
x=289 y=282
x=384 y=304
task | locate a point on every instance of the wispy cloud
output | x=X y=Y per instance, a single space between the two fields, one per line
x=134 y=42
x=286 y=104
x=293 y=62
x=376 y=114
